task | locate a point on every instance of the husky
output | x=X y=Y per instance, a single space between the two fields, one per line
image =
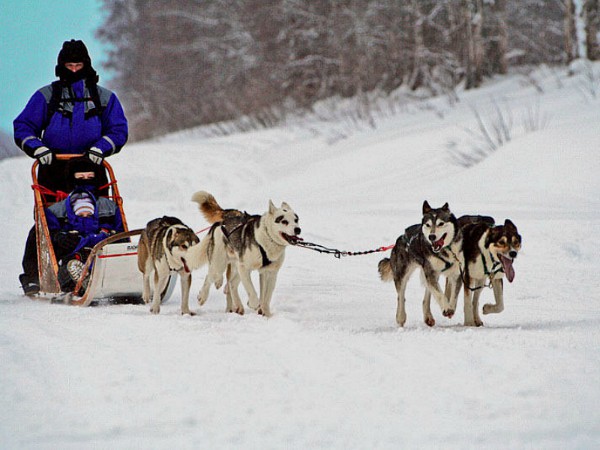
x=489 y=251
x=239 y=243
x=434 y=246
x=167 y=245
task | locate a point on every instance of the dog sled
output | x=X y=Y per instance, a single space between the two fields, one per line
x=111 y=265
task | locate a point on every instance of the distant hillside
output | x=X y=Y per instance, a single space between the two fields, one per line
x=7 y=146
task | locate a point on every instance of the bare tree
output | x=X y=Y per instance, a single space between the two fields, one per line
x=497 y=37
x=591 y=14
x=183 y=63
x=571 y=48
x=473 y=19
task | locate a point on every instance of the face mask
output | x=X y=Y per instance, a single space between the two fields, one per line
x=87 y=184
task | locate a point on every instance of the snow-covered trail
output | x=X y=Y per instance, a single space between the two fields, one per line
x=330 y=369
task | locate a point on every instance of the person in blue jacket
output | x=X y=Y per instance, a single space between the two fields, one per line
x=75 y=225
x=73 y=115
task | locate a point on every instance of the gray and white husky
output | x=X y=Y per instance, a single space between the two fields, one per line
x=434 y=246
x=239 y=243
x=167 y=245
x=489 y=253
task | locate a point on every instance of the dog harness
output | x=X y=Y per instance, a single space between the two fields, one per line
x=245 y=220
x=496 y=266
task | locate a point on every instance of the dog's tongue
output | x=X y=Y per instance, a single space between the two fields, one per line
x=507 y=266
x=437 y=245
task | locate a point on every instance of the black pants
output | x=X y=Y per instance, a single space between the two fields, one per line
x=30 y=260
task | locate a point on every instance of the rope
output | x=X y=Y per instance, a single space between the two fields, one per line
x=204 y=229
x=338 y=253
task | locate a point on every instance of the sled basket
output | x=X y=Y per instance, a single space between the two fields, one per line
x=112 y=264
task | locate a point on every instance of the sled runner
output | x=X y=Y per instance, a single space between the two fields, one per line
x=111 y=265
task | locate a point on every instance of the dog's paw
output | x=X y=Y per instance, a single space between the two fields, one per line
x=492 y=309
x=263 y=311
x=201 y=300
x=188 y=312
x=429 y=321
x=238 y=310
x=449 y=313
x=155 y=310
x=401 y=319
x=253 y=305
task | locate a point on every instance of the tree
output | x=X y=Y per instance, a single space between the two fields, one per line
x=571 y=47
x=591 y=14
x=473 y=19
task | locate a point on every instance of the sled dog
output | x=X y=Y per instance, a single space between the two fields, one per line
x=167 y=245
x=489 y=252
x=240 y=243
x=434 y=246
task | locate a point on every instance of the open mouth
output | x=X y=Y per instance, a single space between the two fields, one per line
x=507 y=267
x=291 y=239
x=436 y=246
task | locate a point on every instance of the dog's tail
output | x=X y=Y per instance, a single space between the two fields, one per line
x=385 y=269
x=197 y=255
x=208 y=206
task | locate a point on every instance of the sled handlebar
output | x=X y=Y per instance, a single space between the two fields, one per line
x=67 y=157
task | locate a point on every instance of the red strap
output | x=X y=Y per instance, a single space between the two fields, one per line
x=58 y=195
x=107 y=185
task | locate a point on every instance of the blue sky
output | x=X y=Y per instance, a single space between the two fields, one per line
x=31 y=35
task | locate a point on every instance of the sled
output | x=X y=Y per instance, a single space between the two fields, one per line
x=111 y=265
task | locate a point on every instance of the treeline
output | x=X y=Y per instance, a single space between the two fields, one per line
x=182 y=63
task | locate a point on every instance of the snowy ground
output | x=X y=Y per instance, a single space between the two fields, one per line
x=331 y=369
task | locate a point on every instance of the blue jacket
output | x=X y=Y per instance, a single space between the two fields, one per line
x=77 y=127
x=107 y=217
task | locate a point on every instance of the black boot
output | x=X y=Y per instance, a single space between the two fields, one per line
x=30 y=286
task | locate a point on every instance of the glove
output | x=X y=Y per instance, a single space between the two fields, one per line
x=65 y=242
x=43 y=155
x=95 y=155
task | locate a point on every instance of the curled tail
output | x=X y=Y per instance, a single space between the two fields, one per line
x=208 y=206
x=385 y=269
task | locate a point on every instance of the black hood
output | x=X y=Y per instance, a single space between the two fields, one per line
x=75 y=51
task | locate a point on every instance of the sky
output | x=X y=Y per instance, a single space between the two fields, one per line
x=331 y=369
x=32 y=33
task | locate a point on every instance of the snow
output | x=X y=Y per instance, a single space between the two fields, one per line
x=331 y=369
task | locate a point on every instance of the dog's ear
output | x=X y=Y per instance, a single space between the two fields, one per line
x=508 y=224
x=426 y=207
x=272 y=207
x=168 y=237
x=446 y=207
x=284 y=205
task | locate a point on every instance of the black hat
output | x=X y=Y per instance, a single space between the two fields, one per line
x=74 y=51
x=81 y=164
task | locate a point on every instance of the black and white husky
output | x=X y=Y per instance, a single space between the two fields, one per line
x=240 y=243
x=167 y=245
x=489 y=253
x=434 y=246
